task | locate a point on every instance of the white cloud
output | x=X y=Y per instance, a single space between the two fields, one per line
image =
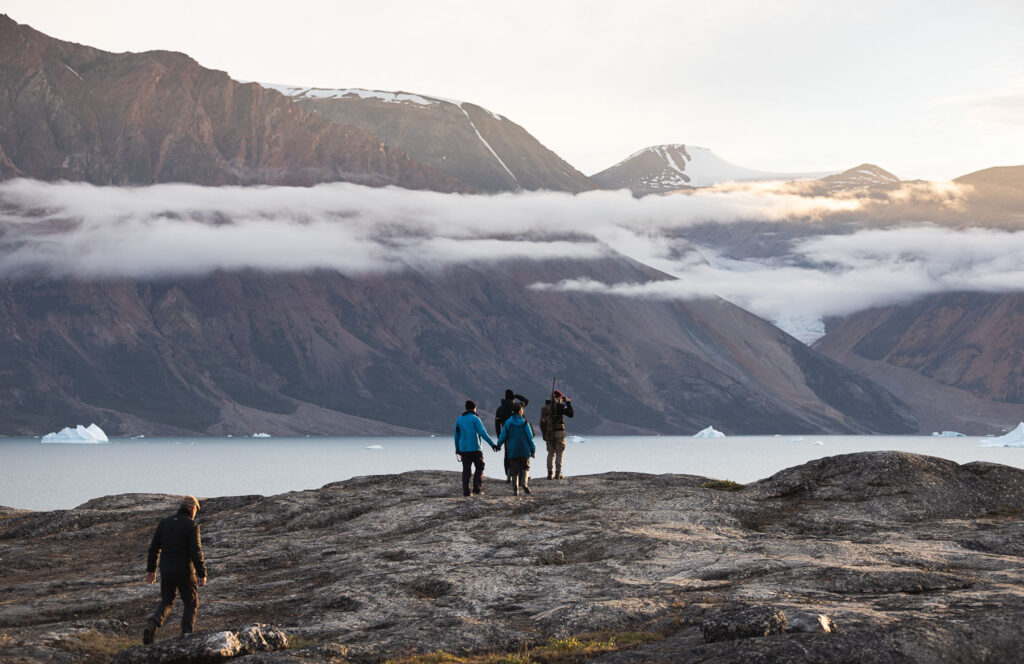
x=187 y=229
x=84 y=231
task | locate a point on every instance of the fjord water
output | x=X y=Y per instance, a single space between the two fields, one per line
x=41 y=476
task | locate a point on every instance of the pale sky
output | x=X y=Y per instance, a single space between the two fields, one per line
x=924 y=88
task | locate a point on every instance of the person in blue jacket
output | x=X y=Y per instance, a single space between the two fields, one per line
x=468 y=432
x=517 y=436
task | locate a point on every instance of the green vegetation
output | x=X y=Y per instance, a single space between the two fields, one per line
x=722 y=485
x=570 y=650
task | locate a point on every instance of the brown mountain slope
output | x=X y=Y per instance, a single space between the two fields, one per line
x=971 y=342
x=463 y=140
x=71 y=112
x=234 y=352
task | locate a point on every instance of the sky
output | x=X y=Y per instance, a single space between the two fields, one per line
x=927 y=89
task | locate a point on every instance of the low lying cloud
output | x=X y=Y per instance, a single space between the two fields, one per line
x=80 y=230
x=832 y=275
x=83 y=231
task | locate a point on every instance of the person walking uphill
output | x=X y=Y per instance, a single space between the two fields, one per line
x=178 y=546
x=552 y=427
x=468 y=432
x=503 y=413
x=517 y=437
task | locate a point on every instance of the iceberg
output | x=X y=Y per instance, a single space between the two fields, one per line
x=710 y=432
x=578 y=439
x=374 y=447
x=948 y=434
x=1013 y=439
x=80 y=434
x=261 y=435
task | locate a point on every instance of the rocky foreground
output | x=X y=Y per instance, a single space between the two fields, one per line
x=874 y=557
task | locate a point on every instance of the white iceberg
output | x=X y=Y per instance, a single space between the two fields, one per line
x=374 y=447
x=710 y=432
x=818 y=442
x=1013 y=439
x=261 y=435
x=578 y=439
x=80 y=434
x=947 y=434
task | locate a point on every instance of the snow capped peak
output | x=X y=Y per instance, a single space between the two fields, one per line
x=304 y=92
x=676 y=165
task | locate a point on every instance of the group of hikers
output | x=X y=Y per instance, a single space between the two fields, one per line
x=515 y=434
x=177 y=545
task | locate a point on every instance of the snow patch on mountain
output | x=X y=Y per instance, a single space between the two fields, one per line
x=676 y=165
x=488 y=145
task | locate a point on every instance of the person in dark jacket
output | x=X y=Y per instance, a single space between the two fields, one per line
x=517 y=437
x=552 y=427
x=178 y=546
x=468 y=432
x=503 y=413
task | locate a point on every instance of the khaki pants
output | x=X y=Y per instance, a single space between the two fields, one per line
x=556 y=448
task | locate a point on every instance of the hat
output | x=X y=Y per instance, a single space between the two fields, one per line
x=190 y=502
x=558 y=395
x=509 y=394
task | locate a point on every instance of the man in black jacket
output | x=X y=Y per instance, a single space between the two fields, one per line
x=505 y=410
x=176 y=543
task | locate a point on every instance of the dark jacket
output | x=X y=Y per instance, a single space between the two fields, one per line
x=517 y=436
x=552 y=420
x=505 y=411
x=177 y=544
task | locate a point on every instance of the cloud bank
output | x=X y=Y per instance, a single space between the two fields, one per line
x=82 y=231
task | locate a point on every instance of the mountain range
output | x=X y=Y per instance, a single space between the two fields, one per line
x=321 y=352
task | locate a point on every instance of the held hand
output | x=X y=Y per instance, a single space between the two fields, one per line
x=458 y=456
x=150 y=577
x=202 y=581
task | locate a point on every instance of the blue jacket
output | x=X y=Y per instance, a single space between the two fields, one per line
x=468 y=432
x=518 y=435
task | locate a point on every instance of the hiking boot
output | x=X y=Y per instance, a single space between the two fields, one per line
x=550 y=475
x=559 y=476
x=508 y=480
x=478 y=492
x=527 y=490
x=148 y=634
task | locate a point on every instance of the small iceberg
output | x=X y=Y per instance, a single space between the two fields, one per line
x=578 y=439
x=374 y=447
x=947 y=434
x=80 y=434
x=797 y=439
x=818 y=442
x=261 y=435
x=710 y=432
x=1013 y=439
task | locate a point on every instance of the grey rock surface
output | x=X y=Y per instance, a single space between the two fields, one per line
x=916 y=559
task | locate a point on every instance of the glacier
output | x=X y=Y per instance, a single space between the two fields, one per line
x=1014 y=438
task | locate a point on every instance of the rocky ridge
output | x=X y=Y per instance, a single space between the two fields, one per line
x=476 y=146
x=883 y=556
x=72 y=112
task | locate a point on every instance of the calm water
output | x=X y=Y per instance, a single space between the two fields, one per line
x=41 y=476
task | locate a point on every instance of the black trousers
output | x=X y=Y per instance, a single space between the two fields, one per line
x=185 y=585
x=470 y=459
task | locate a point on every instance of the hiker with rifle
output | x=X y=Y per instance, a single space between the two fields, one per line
x=552 y=428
